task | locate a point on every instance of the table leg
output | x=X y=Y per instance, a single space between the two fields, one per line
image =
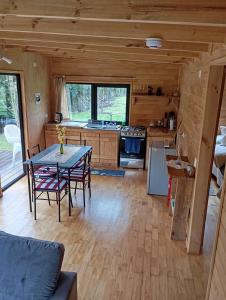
x=29 y=188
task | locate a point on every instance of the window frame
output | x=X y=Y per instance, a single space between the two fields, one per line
x=94 y=88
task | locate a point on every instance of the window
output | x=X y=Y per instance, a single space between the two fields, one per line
x=111 y=103
x=79 y=101
x=102 y=102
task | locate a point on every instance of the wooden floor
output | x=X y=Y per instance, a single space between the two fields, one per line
x=119 y=245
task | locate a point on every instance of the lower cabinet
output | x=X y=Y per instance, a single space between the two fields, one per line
x=50 y=137
x=109 y=147
x=92 y=139
x=105 y=144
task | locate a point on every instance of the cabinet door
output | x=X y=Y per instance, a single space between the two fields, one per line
x=93 y=139
x=50 y=138
x=109 y=148
x=73 y=136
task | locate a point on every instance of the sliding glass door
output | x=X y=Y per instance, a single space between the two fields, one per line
x=11 y=130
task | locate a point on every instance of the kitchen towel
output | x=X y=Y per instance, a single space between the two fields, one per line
x=132 y=145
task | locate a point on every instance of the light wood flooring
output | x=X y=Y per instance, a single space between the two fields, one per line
x=120 y=245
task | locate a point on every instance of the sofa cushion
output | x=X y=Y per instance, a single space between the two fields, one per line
x=29 y=268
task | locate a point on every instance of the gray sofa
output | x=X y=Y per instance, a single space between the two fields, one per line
x=30 y=269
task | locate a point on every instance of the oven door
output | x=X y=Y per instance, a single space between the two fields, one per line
x=132 y=152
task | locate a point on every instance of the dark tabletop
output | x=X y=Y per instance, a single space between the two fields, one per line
x=37 y=159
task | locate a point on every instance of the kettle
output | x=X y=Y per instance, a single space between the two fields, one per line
x=58 y=117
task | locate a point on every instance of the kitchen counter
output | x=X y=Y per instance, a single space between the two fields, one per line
x=159 y=131
x=83 y=126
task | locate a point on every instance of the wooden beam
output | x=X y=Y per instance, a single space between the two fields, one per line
x=149 y=11
x=133 y=30
x=94 y=48
x=205 y=159
x=102 y=41
x=81 y=54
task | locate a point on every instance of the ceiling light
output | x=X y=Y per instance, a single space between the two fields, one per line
x=154 y=43
x=6 y=59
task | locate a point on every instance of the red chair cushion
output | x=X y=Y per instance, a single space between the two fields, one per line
x=50 y=184
x=76 y=174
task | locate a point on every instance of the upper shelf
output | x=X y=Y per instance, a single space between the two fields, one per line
x=145 y=99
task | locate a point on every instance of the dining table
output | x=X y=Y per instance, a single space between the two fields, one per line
x=71 y=155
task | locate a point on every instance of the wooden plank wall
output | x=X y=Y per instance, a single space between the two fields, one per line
x=140 y=74
x=193 y=87
x=35 y=75
x=193 y=101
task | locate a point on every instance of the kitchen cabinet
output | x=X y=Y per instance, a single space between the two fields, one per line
x=50 y=137
x=109 y=145
x=105 y=143
x=92 y=139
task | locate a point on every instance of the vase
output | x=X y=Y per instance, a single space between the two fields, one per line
x=61 y=148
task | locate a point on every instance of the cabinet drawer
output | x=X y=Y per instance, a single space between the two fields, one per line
x=90 y=136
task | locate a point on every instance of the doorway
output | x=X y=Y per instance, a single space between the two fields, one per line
x=12 y=147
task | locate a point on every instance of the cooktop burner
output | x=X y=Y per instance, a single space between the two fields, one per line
x=136 y=131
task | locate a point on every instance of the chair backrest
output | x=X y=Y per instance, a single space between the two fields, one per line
x=12 y=133
x=72 y=141
x=33 y=151
x=90 y=156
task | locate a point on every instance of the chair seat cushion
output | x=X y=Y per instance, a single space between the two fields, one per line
x=76 y=174
x=29 y=268
x=50 y=184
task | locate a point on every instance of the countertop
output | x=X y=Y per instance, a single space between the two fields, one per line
x=83 y=126
x=160 y=131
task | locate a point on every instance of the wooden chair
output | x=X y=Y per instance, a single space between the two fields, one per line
x=81 y=173
x=49 y=184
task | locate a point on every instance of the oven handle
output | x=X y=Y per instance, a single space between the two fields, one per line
x=122 y=138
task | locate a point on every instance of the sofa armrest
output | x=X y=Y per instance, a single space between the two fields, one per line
x=67 y=287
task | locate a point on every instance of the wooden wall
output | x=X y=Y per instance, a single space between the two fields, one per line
x=34 y=72
x=193 y=87
x=138 y=73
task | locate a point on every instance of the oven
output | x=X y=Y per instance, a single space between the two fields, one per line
x=133 y=149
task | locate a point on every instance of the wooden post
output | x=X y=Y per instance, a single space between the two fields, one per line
x=205 y=159
x=184 y=186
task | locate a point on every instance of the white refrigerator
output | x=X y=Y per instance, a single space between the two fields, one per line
x=157 y=182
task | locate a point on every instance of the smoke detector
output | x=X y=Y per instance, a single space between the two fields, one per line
x=154 y=43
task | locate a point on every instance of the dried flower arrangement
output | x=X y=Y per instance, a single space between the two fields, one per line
x=61 y=136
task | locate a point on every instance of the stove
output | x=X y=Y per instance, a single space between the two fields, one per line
x=137 y=131
x=133 y=147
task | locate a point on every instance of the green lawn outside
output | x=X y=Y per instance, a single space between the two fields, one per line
x=4 y=145
x=117 y=110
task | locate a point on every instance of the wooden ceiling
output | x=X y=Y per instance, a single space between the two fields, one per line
x=113 y=29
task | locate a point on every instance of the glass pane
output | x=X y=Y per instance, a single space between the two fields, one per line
x=11 y=166
x=79 y=101
x=111 y=104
